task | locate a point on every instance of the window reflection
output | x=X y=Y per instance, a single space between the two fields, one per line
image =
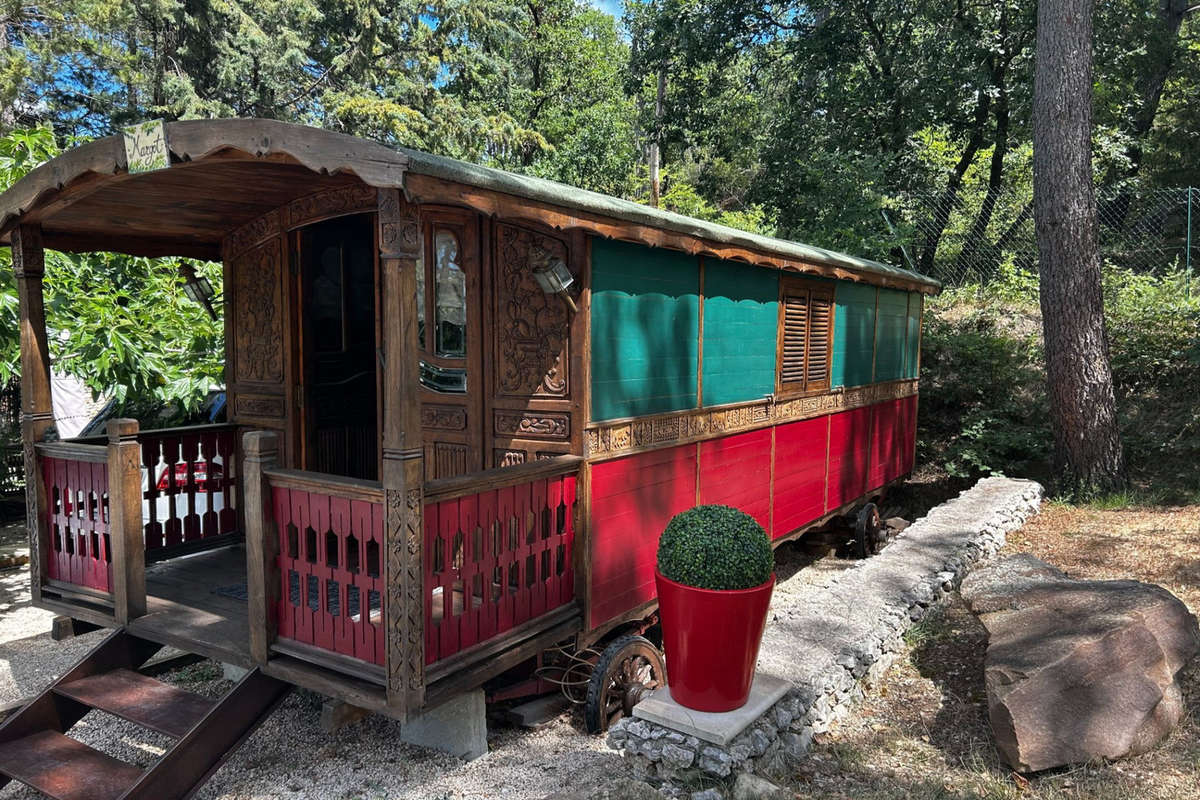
x=421 y=303
x=448 y=380
x=450 y=298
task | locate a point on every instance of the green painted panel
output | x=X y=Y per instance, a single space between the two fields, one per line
x=890 y=330
x=912 y=357
x=741 y=315
x=853 y=334
x=645 y=330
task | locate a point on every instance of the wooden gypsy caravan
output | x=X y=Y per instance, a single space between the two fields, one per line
x=462 y=404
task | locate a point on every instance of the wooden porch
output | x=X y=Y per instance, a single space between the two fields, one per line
x=255 y=565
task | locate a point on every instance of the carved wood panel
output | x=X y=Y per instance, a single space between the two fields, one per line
x=531 y=326
x=258 y=314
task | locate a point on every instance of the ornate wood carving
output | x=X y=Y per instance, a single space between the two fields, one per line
x=332 y=203
x=399 y=231
x=253 y=233
x=531 y=326
x=510 y=458
x=533 y=424
x=406 y=607
x=258 y=316
x=449 y=459
x=260 y=406
x=443 y=418
x=616 y=438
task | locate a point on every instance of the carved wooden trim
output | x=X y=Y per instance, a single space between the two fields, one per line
x=443 y=418
x=328 y=204
x=258 y=312
x=533 y=424
x=272 y=407
x=252 y=234
x=621 y=437
x=406 y=608
x=399 y=230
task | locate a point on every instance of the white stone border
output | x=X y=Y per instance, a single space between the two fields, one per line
x=828 y=639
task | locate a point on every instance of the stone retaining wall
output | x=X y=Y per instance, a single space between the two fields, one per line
x=828 y=639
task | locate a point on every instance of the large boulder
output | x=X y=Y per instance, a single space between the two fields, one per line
x=1078 y=670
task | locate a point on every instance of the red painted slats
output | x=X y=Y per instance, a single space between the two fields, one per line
x=849 y=448
x=736 y=471
x=633 y=498
x=77 y=523
x=800 y=461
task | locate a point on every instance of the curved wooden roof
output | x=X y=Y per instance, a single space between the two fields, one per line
x=227 y=172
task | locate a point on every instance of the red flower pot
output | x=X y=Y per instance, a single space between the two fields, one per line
x=711 y=638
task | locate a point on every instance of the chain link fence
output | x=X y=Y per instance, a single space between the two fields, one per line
x=968 y=238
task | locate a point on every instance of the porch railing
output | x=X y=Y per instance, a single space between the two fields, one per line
x=79 y=549
x=498 y=552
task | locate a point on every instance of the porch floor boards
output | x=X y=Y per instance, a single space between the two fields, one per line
x=184 y=610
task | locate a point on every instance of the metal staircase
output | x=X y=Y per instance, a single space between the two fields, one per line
x=36 y=750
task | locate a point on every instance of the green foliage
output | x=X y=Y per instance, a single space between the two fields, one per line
x=983 y=400
x=715 y=547
x=120 y=324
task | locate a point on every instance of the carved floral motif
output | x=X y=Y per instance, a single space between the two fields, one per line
x=443 y=418
x=259 y=406
x=532 y=326
x=331 y=203
x=533 y=424
x=252 y=233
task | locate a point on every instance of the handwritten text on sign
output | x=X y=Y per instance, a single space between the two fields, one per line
x=146 y=146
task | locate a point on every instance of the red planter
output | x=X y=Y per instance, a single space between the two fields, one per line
x=711 y=639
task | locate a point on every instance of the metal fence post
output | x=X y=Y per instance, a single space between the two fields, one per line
x=1187 y=272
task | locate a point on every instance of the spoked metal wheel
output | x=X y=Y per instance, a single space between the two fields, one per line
x=867 y=531
x=628 y=669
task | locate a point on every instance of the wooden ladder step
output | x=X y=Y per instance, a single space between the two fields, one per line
x=65 y=769
x=140 y=699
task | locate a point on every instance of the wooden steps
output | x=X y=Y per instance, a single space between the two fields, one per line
x=58 y=766
x=36 y=750
x=140 y=699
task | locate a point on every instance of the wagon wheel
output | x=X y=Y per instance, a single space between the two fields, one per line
x=866 y=531
x=627 y=670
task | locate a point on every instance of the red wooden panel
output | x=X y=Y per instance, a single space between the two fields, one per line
x=633 y=498
x=736 y=471
x=887 y=433
x=77 y=523
x=849 y=448
x=800 y=462
x=908 y=458
x=195 y=471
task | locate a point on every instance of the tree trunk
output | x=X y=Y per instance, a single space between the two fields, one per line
x=1083 y=416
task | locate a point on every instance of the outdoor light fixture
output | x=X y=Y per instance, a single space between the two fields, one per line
x=553 y=276
x=197 y=287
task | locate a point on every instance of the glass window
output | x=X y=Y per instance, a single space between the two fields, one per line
x=421 y=303
x=450 y=298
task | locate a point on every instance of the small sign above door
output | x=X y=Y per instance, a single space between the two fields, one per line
x=146 y=146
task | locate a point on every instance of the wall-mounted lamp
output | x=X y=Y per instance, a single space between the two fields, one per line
x=553 y=276
x=198 y=288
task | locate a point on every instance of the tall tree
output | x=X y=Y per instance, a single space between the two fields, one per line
x=1083 y=414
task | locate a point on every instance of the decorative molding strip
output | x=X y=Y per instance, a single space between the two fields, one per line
x=533 y=425
x=252 y=234
x=609 y=439
x=331 y=203
x=443 y=418
x=260 y=406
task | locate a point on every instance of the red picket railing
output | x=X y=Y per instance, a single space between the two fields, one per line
x=190 y=485
x=76 y=482
x=497 y=558
x=330 y=563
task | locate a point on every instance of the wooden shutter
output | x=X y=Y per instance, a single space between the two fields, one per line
x=820 y=340
x=805 y=336
x=795 y=337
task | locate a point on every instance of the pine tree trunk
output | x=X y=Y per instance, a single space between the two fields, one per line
x=1087 y=444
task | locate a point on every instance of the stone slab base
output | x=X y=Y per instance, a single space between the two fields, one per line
x=457 y=727
x=826 y=640
x=717 y=728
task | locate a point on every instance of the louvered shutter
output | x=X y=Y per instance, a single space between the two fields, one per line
x=820 y=327
x=795 y=337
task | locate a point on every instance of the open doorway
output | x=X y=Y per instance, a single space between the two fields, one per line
x=338 y=333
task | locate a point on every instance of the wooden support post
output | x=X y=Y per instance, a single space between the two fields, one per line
x=403 y=472
x=37 y=415
x=260 y=451
x=126 y=542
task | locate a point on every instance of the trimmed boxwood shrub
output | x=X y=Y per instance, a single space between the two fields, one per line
x=715 y=547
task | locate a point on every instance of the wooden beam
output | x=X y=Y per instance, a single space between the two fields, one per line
x=125 y=520
x=37 y=416
x=403 y=471
x=260 y=452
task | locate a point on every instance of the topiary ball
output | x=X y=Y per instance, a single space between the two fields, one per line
x=715 y=547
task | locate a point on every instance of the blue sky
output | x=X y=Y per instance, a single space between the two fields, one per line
x=611 y=6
